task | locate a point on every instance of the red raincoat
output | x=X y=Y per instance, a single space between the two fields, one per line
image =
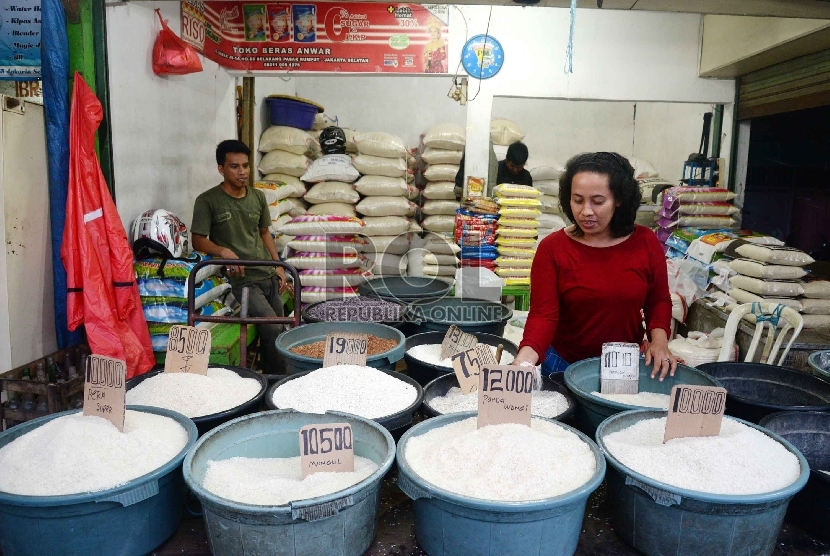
x=101 y=290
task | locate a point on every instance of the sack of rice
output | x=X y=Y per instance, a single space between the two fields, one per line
x=281 y=162
x=504 y=132
x=331 y=167
x=379 y=166
x=445 y=136
x=288 y=139
x=381 y=144
x=332 y=192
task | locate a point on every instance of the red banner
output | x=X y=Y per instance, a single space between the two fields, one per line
x=330 y=37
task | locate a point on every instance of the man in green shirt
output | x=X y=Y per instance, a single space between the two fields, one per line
x=231 y=221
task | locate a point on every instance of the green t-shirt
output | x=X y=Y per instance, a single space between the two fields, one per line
x=235 y=223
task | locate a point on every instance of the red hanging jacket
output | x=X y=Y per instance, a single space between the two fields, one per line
x=101 y=290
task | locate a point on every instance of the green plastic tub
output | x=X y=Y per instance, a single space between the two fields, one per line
x=132 y=519
x=656 y=518
x=315 y=332
x=340 y=524
x=448 y=524
x=582 y=378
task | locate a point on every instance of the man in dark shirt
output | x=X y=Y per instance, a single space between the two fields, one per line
x=512 y=168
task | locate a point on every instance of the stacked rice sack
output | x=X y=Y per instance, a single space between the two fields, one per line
x=441 y=152
x=383 y=162
x=700 y=207
x=504 y=133
x=517 y=231
x=475 y=233
x=434 y=256
x=651 y=195
x=162 y=285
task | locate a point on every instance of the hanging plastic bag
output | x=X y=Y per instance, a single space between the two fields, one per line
x=173 y=56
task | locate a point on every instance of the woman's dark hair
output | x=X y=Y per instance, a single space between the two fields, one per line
x=230 y=146
x=621 y=180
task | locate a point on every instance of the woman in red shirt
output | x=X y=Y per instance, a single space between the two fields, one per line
x=590 y=281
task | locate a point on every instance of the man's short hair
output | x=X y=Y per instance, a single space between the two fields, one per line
x=230 y=146
x=517 y=154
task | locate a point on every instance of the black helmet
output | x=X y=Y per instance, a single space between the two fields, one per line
x=333 y=141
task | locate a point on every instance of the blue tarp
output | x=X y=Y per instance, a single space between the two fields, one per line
x=55 y=64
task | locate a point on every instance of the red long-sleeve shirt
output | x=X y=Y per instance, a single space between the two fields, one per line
x=582 y=296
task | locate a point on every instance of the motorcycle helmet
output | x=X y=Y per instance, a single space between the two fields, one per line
x=333 y=141
x=161 y=232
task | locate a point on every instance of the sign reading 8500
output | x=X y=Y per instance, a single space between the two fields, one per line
x=482 y=57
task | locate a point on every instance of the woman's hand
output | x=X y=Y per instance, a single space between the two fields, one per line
x=526 y=355
x=658 y=352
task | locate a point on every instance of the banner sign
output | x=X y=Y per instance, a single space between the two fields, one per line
x=20 y=22
x=347 y=37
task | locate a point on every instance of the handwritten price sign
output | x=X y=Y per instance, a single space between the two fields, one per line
x=695 y=411
x=105 y=389
x=620 y=368
x=328 y=448
x=188 y=350
x=467 y=366
x=346 y=349
x=456 y=340
x=504 y=395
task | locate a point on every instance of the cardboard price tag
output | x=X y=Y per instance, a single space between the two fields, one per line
x=695 y=411
x=343 y=348
x=467 y=366
x=328 y=448
x=456 y=340
x=620 y=368
x=188 y=350
x=504 y=395
x=105 y=388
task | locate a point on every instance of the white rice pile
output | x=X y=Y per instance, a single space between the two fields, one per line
x=76 y=454
x=431 y=353
x=277 y=481
x=642 y=399
x=363 y=391
x=502 y=462
x=195 y=395
x=741 y=460
x=546 y=403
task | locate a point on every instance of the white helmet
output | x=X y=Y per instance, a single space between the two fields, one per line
x=159 y=231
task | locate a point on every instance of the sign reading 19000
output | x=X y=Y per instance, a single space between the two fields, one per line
x=345 y=349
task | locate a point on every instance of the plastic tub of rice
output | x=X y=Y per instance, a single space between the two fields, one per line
x=224 y=394
x=246 y=473
x=719 y=496
x=423 y=354
x=499 y=490
x=74 y=484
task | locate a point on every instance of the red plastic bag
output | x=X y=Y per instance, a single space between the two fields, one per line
x=173 y=56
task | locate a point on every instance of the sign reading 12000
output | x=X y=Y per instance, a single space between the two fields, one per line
x=337 y=37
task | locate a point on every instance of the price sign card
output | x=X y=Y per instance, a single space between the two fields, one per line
x=188 y=350
x=504 y=394
x=328 y=448
x=695 y=411
x=343 y=348
x=620 y=368
x=467 y=366
x=105 y=387
x=456 y=340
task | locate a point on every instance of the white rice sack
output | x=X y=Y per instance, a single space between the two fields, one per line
x=275 y=224
x=441 y=156
x=504 y=132
x=817 y=289
x=379 y=166
x=440 y=223
x=815 y=306
x=767 y=288
x=309 y=225
x=324 y=261
x=313 y=294
x=440 y=190
x=334 y=278
x=322 y=121
x=711 y=222
x=520 y=222
x=288 y=139
x=291 y=207
x=814 y=322
x=440 y=260
x=351 y=146
x=332 y=192
x=281 y=241
x=441 y=172
x=788 y=256
x=415 y=228
x=385 y=206
x=717 y=207
x=382 y=186
x=393 y=245
x=295 y=183
x=333 y=209
x=275 y=191
x=437 y=270
x=546 y=173
x=436 y=244
x=281 y=162
x=642 y=168
x=385 y=226
x=445 y=136
x=767 y=271
x=415 y=262
x=331 y=167
x=547 y=187
x=386 y=264
x=380 y=144
x=550 y=204
x=551 y=222
x=508 y=231
x=440 y=207
x=743 y=296
x=328 y=244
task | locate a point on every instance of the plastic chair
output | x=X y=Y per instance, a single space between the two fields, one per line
x=766 y=315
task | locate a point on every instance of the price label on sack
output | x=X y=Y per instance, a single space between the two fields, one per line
x=105 y=389
x=456 y=340
x=695 y=411
x=467 y=366
x=343 y=348
x=328 y=448
x=620 y=368
x=504 y=394
x=188 y=350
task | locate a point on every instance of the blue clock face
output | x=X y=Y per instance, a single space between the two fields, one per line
x=482 y=56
